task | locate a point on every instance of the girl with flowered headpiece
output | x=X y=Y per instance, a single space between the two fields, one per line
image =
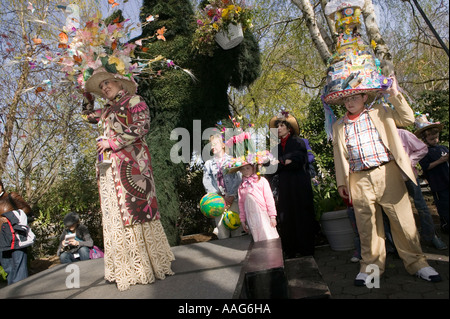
x=256 y=204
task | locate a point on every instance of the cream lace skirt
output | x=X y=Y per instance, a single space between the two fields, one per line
x=133 y=254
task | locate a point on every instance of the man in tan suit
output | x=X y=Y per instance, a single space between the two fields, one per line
x=369 y=159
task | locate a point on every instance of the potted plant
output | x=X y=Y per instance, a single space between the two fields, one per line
x=331 y=212
x=222 y=22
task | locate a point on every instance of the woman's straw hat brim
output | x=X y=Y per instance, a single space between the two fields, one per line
x=93 y=83
x=290 y=119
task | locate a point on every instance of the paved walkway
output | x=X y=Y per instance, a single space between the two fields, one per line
x=339 y=272
x=208 y=270
x=211 y=270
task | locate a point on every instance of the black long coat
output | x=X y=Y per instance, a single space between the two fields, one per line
x=295 y=205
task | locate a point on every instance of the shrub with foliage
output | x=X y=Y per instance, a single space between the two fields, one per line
x=191 y=190
x=175 y=101
x=326 y=196
x=75 y=191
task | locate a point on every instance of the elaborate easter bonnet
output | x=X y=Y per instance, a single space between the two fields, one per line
x=95 y=53
x=422 y=124
x=99 y=51
x=253 y=158
x=285 y=116
x=243 y=149
x=352 y=69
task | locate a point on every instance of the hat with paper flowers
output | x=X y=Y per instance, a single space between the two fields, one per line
x=252 y=158
x=285 y=116
x=242 y=148
x=422 y=124
x=97 y=52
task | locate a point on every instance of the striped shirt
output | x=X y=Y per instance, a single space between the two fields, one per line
x=365 y=147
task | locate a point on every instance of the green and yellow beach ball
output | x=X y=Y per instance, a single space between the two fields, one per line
x=231 y=220
x=212 y=205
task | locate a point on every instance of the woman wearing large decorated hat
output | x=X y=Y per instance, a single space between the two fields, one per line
x=295 y=206
x=136 y=247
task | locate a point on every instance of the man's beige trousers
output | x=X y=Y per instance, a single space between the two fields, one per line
x=384 y=188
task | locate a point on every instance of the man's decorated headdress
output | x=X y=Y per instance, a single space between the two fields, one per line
x=352 y=69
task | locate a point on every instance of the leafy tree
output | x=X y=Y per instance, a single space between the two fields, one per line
x=41 y=128
x=75 y=190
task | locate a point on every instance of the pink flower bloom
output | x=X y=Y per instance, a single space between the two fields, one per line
x=112 y=28
x=80 y=79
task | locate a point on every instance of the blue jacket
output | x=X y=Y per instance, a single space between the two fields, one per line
x=210 y=175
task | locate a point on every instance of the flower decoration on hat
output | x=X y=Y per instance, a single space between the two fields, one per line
x=422 y=123
x=285 y=113
x=252 y=158
x=242 y=146
x=99 y=45
x=227 y=132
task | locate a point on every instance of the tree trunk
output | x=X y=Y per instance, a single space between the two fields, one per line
x=12 y=109
x=373 y=32
x=331 y=26
x=311 y=22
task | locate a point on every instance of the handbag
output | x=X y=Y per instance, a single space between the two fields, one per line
x=95 y=253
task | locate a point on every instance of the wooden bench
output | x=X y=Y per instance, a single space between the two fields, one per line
x=304 y=279
x=263 y=276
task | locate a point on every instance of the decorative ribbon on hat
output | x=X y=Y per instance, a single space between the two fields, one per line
x=330 y=118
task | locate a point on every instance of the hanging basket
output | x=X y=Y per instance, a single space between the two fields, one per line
x=230 y=38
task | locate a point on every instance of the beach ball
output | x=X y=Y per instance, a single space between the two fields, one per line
x=212 y=205
x=231 y=220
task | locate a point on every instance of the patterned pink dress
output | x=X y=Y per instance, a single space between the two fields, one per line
x=136 y=247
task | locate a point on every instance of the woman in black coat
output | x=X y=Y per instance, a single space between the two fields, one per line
x=295 y=207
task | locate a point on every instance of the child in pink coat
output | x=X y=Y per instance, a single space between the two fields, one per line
x=256 y=205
